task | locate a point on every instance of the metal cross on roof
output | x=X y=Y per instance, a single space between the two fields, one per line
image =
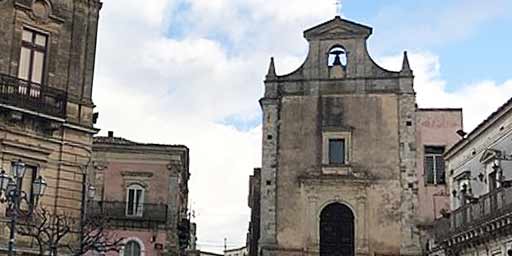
x=338 y=7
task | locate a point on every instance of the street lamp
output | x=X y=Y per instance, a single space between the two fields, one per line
x=10 y=189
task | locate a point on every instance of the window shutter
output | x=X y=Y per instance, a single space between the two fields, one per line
x=131 y=198
x=440 y=175
x=337 y=151
x=429 y=169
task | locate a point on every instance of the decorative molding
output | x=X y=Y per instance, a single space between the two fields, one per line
x=136 y=174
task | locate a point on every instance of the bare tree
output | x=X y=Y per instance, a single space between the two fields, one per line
x=49 y=230
x=97 y=237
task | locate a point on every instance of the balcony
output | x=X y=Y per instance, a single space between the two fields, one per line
x=38 y=98
x=488 y=214
x=147 y=215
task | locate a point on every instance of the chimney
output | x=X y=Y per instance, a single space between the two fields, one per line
x=111 y=134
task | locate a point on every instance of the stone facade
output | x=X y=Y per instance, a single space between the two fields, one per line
x=254 y=201
x=161 y=173
x=46 y=120
x=339 y=95
x=479 y=171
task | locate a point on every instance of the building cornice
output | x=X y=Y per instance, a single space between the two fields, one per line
x=480 y=129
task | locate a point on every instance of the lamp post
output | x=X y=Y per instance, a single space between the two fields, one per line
x=12 y=194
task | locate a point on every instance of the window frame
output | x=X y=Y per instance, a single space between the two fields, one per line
x=33 y=47
x=435 y=156
x=137 y=241
x=33 y=170
x=136 y=209
x=336 y=168
x=336 y=135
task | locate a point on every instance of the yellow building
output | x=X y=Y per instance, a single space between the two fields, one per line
x=47 y=52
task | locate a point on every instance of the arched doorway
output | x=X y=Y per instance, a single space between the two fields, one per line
x=336 y=231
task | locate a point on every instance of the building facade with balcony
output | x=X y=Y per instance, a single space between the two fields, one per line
x=47 y=53
x=479 y=178
x=143 y=190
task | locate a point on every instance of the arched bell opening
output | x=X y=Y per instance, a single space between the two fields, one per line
x=337 y=230
x=337 y=56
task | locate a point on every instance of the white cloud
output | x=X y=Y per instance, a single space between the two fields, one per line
x=150 y=87
x=478 y=100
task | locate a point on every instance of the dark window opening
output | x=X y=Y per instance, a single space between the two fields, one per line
x=132 y=248
x=337 y=151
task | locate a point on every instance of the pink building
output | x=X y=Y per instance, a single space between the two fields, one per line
x=143 y=189
x=436 y=132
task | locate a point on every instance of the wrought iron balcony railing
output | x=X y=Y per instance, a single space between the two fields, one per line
x=35 y=97
x=119 y=213
x=488 y=207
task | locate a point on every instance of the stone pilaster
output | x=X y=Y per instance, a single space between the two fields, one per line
x=410 y=240
x=270 y=107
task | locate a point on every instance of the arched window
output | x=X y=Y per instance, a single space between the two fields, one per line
x=336 y=231
x=132 y=248
x=337 y=57
x=135 y=200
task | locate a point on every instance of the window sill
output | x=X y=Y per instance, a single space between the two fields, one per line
x=434 y=185
x=337 y=169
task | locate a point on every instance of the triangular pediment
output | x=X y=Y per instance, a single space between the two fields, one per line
x=338 y=28
x=489 y=155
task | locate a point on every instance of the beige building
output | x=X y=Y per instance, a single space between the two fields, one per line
x=479 y=179
x=343 y=147
x=143 y=189
x=46 y=111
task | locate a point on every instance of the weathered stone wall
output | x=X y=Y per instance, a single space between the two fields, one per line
x=268 y=173
x=374 y=111
x=410 y=242
x=254 y=201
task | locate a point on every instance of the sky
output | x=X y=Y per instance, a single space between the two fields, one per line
x=191 y=72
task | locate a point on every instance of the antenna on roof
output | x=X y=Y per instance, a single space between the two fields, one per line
x=338 y=8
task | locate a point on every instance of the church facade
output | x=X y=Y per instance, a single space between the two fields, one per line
x=339 y=153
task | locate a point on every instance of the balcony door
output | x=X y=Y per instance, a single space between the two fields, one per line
x=135 y=201
x=337 y=231
x=32 y=61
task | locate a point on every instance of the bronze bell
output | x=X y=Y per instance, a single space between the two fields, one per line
x=337 y=59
